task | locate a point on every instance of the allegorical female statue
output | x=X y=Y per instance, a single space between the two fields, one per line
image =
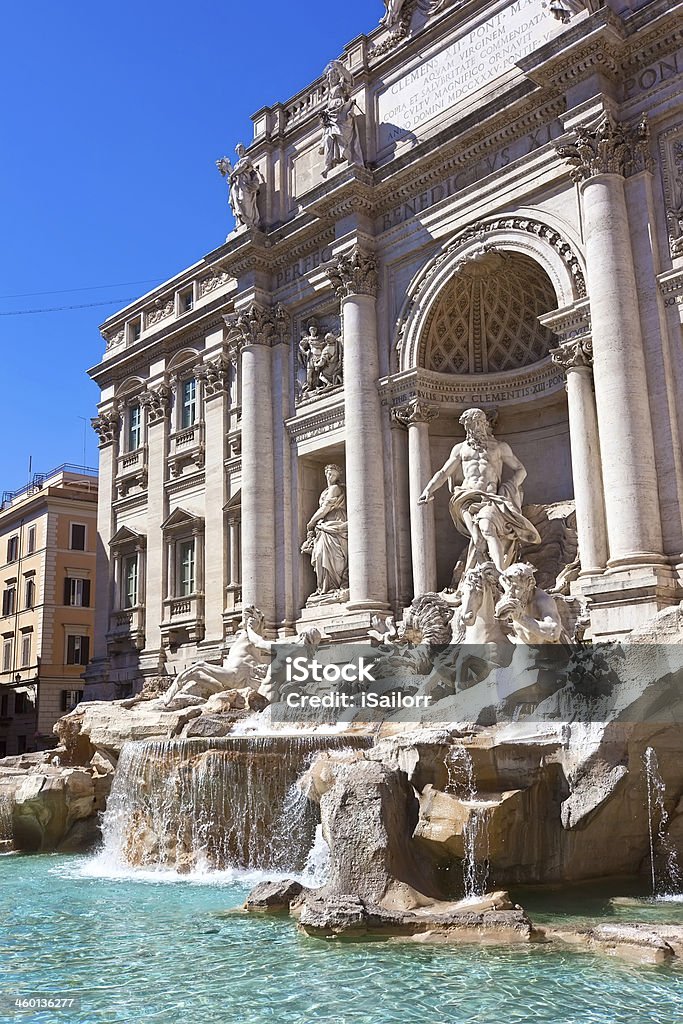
x=327 y=541
x=340 y=131
x=245 y=182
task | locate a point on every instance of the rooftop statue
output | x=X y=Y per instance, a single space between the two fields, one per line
x=393 y=12
x=485 y=479
x=244 y=181
x=340 y=132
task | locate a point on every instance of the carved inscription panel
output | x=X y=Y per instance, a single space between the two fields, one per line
x=463 y=67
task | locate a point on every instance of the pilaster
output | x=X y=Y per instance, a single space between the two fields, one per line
x=416 y=415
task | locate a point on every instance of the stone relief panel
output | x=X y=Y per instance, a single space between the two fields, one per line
x=319 y=356
x=671 y=149
x=486 y=319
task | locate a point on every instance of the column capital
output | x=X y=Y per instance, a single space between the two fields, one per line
x=608 y=148
x=107 y=425
x=157 y=402
x=256 y=325
x=215 y=376
x=414 y=411
x=573 y=355
x=353 y=272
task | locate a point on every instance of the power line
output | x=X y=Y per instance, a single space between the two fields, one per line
x=58 y=309
x=88 y=288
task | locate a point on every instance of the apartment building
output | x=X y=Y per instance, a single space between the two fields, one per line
x=48 y=539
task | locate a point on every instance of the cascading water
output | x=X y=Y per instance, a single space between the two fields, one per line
x=214 y=803
x=664 y=868
x=462 y=782
x=6 y=826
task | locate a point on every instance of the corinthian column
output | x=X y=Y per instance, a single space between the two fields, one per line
x=251 y=335
x=354 y=277
x=602 y=157
x=416 y=416
x=576 y=359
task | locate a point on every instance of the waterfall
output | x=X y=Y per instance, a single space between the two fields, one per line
x=6 y=814
x=664 y=869
x=214 y=803
x=475 y=835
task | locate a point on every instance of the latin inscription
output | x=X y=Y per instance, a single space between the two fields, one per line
x=303 y=267
x=466 y=65
x=494 y=161
x=660 y=72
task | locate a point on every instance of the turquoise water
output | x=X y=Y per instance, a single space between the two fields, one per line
x=170 y=952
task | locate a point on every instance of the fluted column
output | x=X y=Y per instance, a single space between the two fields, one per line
x=602 y=157
x=251 y=335
x=214 y=377
x=354 y=277
x=107 y=425
x=576 y=360
x=416 y=416
x=157 y=403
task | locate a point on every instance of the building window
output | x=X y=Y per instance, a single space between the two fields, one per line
x=187 y=568
x=130 y=581
x=9 y=600
x=76 y=592
x=186 y=300
x=26 y=650
x=30 y=594
x=77 y=650
x=31 y=541
x=21 y=704
x=188 y=408
x=135 y=330
x=21 y=744
x=71 y=698
x=134 y=439
x=13 y=548
x=4 y=706
x=3 y=748
x=77 y=539
x=7 y=652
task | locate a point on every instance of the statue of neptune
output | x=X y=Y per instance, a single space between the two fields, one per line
x=486 y=501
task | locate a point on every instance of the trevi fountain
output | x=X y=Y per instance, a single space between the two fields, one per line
x=408 y=745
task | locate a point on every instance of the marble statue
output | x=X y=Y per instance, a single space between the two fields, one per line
x=485 y=480
x=533 y=615
x=392 y=15
x=245 y=664
x=323 y=359
x=340 y=132
x=244 y=181
x=327 y=542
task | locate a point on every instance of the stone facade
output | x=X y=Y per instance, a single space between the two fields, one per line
x=479 y=205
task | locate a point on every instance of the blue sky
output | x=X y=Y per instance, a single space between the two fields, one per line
x=114 y=116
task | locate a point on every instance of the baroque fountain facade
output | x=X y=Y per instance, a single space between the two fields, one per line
x=422 y=407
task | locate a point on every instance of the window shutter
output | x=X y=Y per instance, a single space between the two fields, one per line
x=65 y=700
x=67 y=590
x=86 y=593
x=71 y=650
x=85 y=650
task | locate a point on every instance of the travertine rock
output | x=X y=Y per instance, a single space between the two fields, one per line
x=274 y=896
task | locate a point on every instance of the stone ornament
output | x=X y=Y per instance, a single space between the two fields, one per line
x=340 y=141
x=163 y=309
x=414 y=411
x=609 y=148
x=322 y=356
x=353 y=273
x=487 y=505
x=215 y=377
x=573 y=355
x=244 y=181
x=107 y=425
x=257 y=325
x=113 y=340
x=157 y=402
x=327 y=542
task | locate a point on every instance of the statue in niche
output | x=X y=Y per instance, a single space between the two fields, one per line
x=532 y=614
x=322 y=356
x=392 y=14
x=340 y=131
x=327 y=542
x=244 y=181
x=486 y=502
